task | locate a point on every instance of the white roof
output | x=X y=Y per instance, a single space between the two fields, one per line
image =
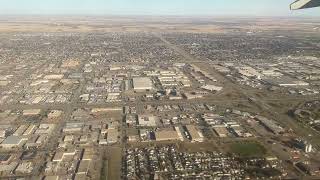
x=31 y=111
x=142 y=83
x=147 y=120
x=212 y=87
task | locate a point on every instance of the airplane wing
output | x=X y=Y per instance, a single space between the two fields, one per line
x=302 y=4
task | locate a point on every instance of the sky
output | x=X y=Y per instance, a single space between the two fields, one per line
x=154 y=7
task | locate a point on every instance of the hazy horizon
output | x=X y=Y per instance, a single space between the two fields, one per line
x=229 y=8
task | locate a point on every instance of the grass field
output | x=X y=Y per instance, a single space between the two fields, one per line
x=248 y=149
x=113 y=165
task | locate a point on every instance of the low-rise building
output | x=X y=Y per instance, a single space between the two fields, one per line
x=13 y=141
x=167 y=135
x=142 y=83
x=270 y=125
x=145 y=120
x=221 y=131
x=73 y=127
x=31 y=112
x=196 y=135
x=112 y=136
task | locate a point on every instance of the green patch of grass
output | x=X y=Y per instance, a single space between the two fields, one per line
x=260 y=173
x=248 y=149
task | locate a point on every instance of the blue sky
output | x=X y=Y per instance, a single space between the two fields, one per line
x=155 y=7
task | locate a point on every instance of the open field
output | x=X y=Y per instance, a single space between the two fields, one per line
x=151 y=24
x=248 y=149
x=114 y=162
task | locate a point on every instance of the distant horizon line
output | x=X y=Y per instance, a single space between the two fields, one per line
x=158 y=15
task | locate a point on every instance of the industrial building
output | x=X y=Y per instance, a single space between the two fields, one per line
x=270 y=125
x=142 y=83
x=196 y=135
x=285 y=82
x=112 y=136
x=221 y=131
x=144 y=120
x=167 y=135
x=13 y=141
x=31 y=112
x=73 y=127
x=211 y=87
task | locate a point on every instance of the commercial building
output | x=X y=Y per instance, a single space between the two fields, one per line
x=107 y=110
x=167 y=135
x=147 y=120
x=249 y=72
x=270 y=125
x=53 y=76
x=13 y=141
x=73 y=127
x=61 y=155
x=212 y=87
x=285 y=82
x=112 y=136
x=45 y=129
x=196 y=135
x=142 y=83
x=180 y=132
x=31 y=112
x=221 y=131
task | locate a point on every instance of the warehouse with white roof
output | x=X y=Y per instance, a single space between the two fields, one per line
x=142 y=83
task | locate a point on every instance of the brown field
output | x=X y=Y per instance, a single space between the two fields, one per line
x=152 y=24
x=114 y=157
x=39 y=27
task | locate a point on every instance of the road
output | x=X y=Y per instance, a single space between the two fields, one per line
x=262 y=103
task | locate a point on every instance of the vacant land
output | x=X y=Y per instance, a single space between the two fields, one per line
x=114 y=162
x=151 y=24
x=248 y=149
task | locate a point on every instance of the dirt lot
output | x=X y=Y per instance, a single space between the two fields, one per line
x=114 y=158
